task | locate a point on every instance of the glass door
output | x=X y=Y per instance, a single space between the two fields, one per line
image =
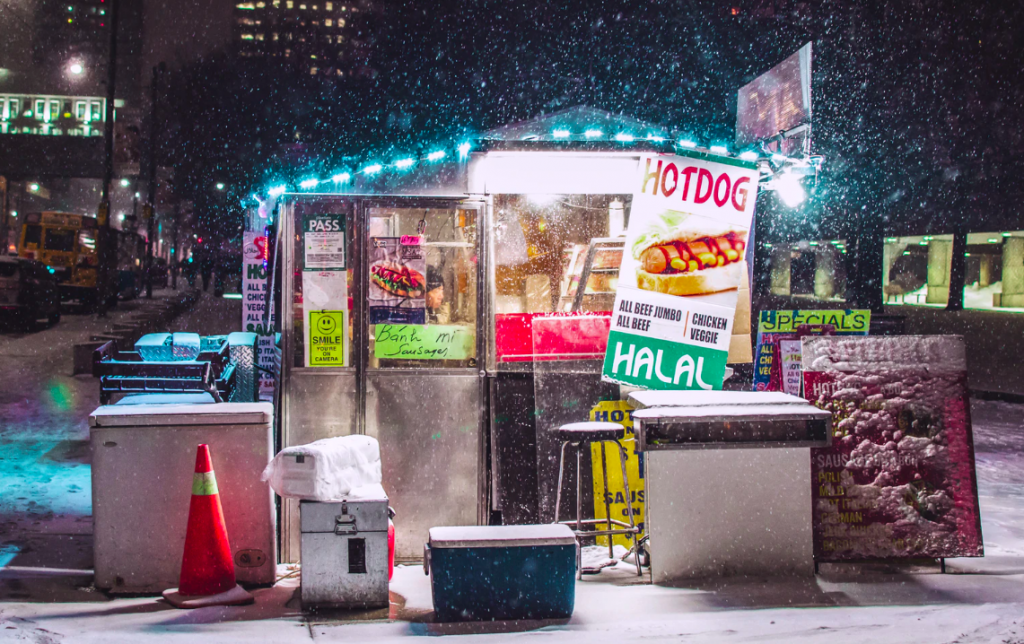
x=424 y=397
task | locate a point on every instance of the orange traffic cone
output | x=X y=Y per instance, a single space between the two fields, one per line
x=207 y=571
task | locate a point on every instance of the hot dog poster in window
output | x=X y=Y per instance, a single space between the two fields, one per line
x=398 y=268
x=681 y=272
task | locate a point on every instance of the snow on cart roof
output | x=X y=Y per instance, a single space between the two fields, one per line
x=643 y=399
x=805 y=411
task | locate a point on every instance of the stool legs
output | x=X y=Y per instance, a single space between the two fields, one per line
x=607 y=502
x=558 y=491
x=629 y=506
x=579 y=522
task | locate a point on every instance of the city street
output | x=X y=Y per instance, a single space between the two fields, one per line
x=45 y=552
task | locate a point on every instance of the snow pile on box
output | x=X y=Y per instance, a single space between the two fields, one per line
x=325 y=470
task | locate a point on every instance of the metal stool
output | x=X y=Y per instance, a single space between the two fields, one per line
x=578 y=435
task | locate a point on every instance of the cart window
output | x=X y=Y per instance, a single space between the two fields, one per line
x=33 y=234
x=324 y=252
x=60 y=239
x=544 y=243
x=422 y=287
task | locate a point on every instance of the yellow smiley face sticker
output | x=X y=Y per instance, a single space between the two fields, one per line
x=326 y=324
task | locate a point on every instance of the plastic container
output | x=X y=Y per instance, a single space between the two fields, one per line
x=502 y=572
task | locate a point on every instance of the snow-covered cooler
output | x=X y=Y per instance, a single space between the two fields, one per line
x=502 y=572
x=325 y=470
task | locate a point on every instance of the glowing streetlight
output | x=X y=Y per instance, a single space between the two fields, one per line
x=125 y=183
x=34 y=187
x=76 y=68
x=220 y=186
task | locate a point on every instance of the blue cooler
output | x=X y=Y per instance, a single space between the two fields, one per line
x=501 y=572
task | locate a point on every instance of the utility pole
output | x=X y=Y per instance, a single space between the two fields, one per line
x=148 y=209
x=107 y=242
x=175 y=251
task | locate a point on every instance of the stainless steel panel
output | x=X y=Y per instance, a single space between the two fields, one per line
x=368 y=516
x=428 y=426
x=319 y=404
x=326 y=579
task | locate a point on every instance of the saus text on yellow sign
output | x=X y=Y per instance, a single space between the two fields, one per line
x=327 y=330
x=618 y=411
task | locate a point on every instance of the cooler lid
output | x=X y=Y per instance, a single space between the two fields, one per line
x=156 y=415
x=643 y=399
x=499 y=536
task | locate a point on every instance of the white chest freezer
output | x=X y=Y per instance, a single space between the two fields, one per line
x=143 y=458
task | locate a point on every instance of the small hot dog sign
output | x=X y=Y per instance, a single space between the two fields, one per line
x=682 y=266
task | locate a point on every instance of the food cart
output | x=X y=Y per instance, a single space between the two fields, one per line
x=456 y=310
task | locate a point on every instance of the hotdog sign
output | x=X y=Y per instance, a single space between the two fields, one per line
x=681 y=271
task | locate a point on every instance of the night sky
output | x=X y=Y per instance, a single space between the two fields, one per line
x=175 y=30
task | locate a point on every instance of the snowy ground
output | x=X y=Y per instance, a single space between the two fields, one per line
x=45 y=554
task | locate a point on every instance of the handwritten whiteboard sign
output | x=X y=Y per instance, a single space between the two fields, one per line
x=424 y=342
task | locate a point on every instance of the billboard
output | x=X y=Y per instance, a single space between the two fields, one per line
x=776 y=101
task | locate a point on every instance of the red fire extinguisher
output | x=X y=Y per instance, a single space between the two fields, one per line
x=391 y=543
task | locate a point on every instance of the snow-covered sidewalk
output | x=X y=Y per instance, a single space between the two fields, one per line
x=977 y=600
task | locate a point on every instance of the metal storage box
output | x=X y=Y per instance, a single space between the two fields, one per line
x=502 y=572
x=143 y=459
x=345 y=552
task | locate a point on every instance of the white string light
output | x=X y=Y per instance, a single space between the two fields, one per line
x=784 y=177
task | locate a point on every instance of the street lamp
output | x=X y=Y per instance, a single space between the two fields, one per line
x=125 y=183
x=220 y=186
x=34 y=187
x=76 y=68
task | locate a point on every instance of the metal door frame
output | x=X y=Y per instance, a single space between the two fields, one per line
x=482 y=205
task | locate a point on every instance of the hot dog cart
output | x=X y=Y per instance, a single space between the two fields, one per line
x=456 y=311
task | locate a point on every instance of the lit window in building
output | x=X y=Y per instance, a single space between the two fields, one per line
x=97 y=111
x=247 y=36
x=315 y=23
x=277 y=4
x=314 y=7
x=312 y=71
x=302 y=6
x=246 y=6
x=276 y=37
x=260 y=5
x=340 y=73
x=329 y=22
x=40 y=108
x=287 y=53
x=259 y=36
x=329 y=6
x=341 y=22
x=291 y=5
x=81 y=110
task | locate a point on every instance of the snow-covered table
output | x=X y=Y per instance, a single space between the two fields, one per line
x=728 y=486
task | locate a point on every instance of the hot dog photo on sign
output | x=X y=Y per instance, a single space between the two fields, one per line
x=688 y=231
x=397 y=280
